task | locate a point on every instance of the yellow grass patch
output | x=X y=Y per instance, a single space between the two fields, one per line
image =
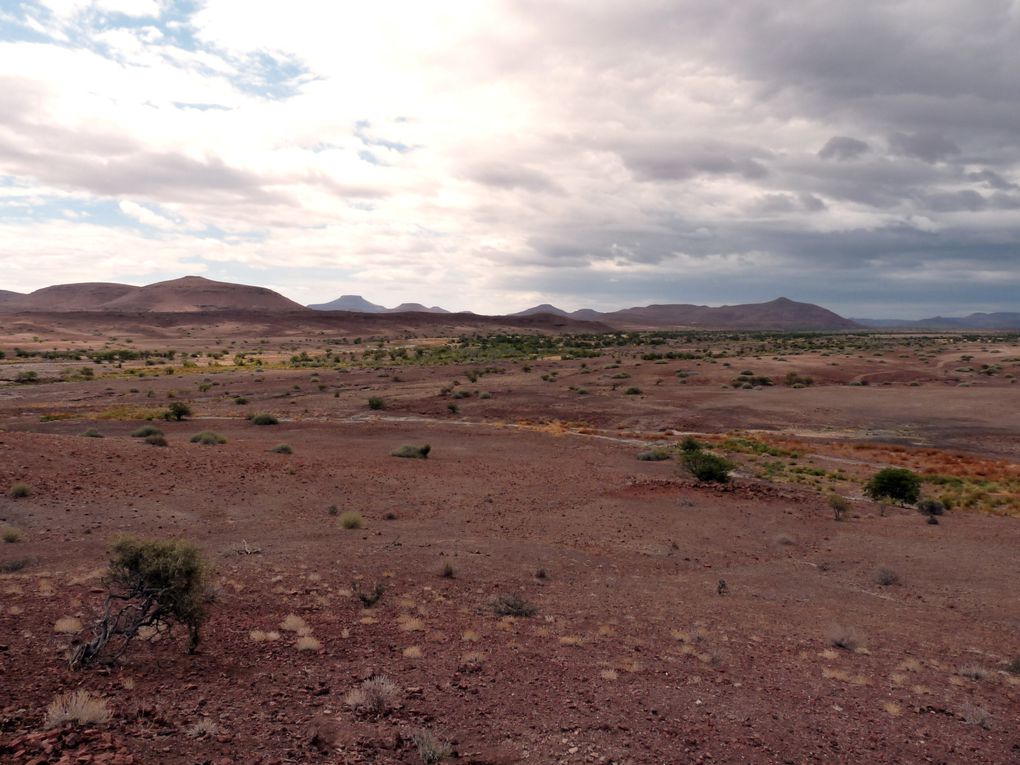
x=609 y=674
x=67 y=625
x=892 y=708
x=307 y=643
x=293 y=623
x=470 y=636
x=412 y=652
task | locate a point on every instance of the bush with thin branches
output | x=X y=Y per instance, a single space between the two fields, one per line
x=153 y=584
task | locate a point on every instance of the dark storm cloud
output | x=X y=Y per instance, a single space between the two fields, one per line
x=672 y=163
x=928 y=147
x=843 y=147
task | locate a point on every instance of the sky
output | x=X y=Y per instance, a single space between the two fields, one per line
x=490 y=156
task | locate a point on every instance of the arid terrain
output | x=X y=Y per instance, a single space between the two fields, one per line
x=674 y=621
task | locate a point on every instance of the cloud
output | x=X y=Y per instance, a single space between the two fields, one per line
x=928 y=147
x=645 y=149
x=843 y=148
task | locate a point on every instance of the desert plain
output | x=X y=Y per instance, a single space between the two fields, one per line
x=658 y=619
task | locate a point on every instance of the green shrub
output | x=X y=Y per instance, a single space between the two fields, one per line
x=264 y=419
x=208 y=438
x=20 y=490
x=896 y=484
x=92 y=433
x=153 y=583
x=708 y=467
x=413 y=452
x=26 y=378
x=375 y=403
x=351 y=520
x=11 y=535
x=633 y=391
x=282 y=449
x=654 y=455
x=178 y=410
x=930 y=506
x=691 y=444
x=145 y=431
x=156 y=440
x=840 y=506
x=240 y=400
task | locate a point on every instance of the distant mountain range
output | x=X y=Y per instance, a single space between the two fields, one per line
x=359 y=304
x=779 y=314
x=196 y=294
x=1001 y=320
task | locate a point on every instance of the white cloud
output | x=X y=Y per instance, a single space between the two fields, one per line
x=489 y=142
x=146 y=216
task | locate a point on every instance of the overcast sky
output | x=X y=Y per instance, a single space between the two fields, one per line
x=488 y=156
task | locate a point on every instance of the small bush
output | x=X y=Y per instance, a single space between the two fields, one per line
x=840 y=506
x=896 y=484
x=13 y=566
x=708 y=467
x=240 y=400
x=412 y=452
x=208 y=438
x=847 y=638
x=930 y=506
x=887 y=577
x=690 y=444
x=375 y=403
x=92 y=433
x=633 y=391
x=1014 y=666
x=79 y=707
x=282 y=449
x=368 y=598
x=153 y=583
x=178 y=410
x=374 y=696
x=20 y=491
x=352 y=520
x=654 y=455
x=431 y=749
x=145 y=431
x=11 y=535
x=264 y=419
x=512 y=605
x=447 y=571
x=156 y=440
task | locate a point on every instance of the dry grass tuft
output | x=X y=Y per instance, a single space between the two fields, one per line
x=973 y=671
x=374 y=696
x=202 y=728
x=79 y=707
x=307 y=643
x=67 y=625
x=431 y=749
x=892 y=708
x=412 y=652
x=293 y=623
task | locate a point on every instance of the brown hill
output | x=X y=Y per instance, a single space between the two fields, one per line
x=195 y=294
x=779 y=314
x=86 y=296
x=6 y=295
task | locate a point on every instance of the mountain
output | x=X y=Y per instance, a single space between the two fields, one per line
x=1000 y=320
x=194 y=294
x=349 y=303
x=779 y=314
x=86 y=296
x=6 y=295
x=415 y=308
x=544 y=308
x=190 y=294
